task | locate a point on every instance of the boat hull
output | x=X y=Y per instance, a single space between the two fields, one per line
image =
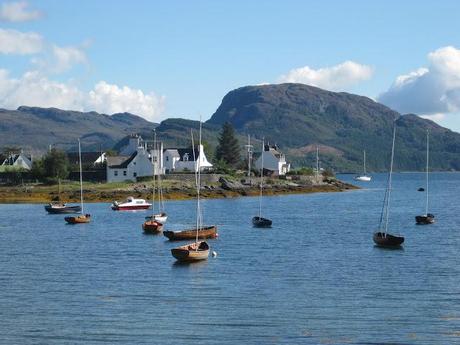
x=152 y=227
x=260 y=222
x=62 y=210
x=205 y=232
x=383 y=239
x=425 y=219
x=82 y=219
x=363 y=178
x=130 y=208
x=191 y=252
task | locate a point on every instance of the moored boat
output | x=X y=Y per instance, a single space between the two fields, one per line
x=203 y=232
x=191 y=252
x=364 y=177
x=152 y=227
x=61 y=208
x=83 y=218
x=159 y=217
x=383 y=239
x=425 y=219
x=260 y=222
x=131 y=204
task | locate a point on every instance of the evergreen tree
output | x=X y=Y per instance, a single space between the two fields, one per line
x=228 y=149
x=56 y=164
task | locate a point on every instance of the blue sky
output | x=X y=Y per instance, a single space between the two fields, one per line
x=179 y=58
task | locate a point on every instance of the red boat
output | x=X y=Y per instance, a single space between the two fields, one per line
x=131 y=204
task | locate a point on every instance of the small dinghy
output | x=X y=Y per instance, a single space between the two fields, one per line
x=152 y=227
x=159 y=217
x=83 y=218
x=191 y=252
x=260 y=222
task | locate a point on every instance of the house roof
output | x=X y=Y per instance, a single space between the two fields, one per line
x=86 y=157
x=173 y=152
x=182 y=152
x=11 y=159
x=120 y=162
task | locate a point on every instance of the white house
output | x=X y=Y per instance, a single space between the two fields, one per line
x=19 y=160
x=183 y=160
x=274 y=161
x=141 y=163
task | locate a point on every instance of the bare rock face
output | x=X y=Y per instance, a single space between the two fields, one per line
x=230 y=185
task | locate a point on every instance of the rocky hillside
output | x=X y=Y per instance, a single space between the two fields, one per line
x=298 y=117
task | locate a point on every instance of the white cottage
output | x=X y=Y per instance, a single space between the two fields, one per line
x=141 y=163
x=20 y=161
x=183 y=160
x=274 y=161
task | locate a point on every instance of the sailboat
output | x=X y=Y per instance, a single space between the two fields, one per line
x=152 y=224
x=364 y=177
x=198 y=250
x=82 y=218
x=381 y=237
x=259 y=221
x=60 y=207
x=427 y=218
x=161 y=216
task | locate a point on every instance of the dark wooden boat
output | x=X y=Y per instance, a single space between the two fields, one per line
x=421 y=189
x=152 y=227
x=425 y=219
x=204 y=232
x=260 y=222
x=61 y=208
x=383 y=239
x=81 y=219
x=191 y=252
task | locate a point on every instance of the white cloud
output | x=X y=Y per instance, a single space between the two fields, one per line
x=429 y=91
x=57 y=59
x=23 y=43
x=337 y=77
x=18 y=12
x=110 y=98
x=35 y=89
x=434 y=117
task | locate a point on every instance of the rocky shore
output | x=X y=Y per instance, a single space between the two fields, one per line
x=223 y=187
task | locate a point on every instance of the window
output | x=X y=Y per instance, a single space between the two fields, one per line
x=124 y=172
x=134 y=174
x=154 y=158
x=186 y=157
x=167 y=159
x=115 y=173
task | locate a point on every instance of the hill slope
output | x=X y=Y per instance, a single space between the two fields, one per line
x=298 y=117
x=36 y=128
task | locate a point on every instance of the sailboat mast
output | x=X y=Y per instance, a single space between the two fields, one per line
x=390 y=178
x=249 y=155
x=317 y=164
x=153 y=175
x=364 y=163
x=261 y=177
x=81 y=177
x=427 y=165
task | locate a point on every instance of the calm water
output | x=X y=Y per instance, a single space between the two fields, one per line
x=314 y=278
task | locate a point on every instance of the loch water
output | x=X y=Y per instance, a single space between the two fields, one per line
x=315 y=277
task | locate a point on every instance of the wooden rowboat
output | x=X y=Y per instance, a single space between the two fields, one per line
x=204 y=232
x=152 y=227
x=83 y=218
x=191 y=252
x=383 y=239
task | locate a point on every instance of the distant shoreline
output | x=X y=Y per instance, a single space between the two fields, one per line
x=176 y=190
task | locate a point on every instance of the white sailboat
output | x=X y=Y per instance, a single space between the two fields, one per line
x=381 y=237
x=364 y=177
x=82 y=218
x=427 y=218
x=259 y=221
x=198 y=250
